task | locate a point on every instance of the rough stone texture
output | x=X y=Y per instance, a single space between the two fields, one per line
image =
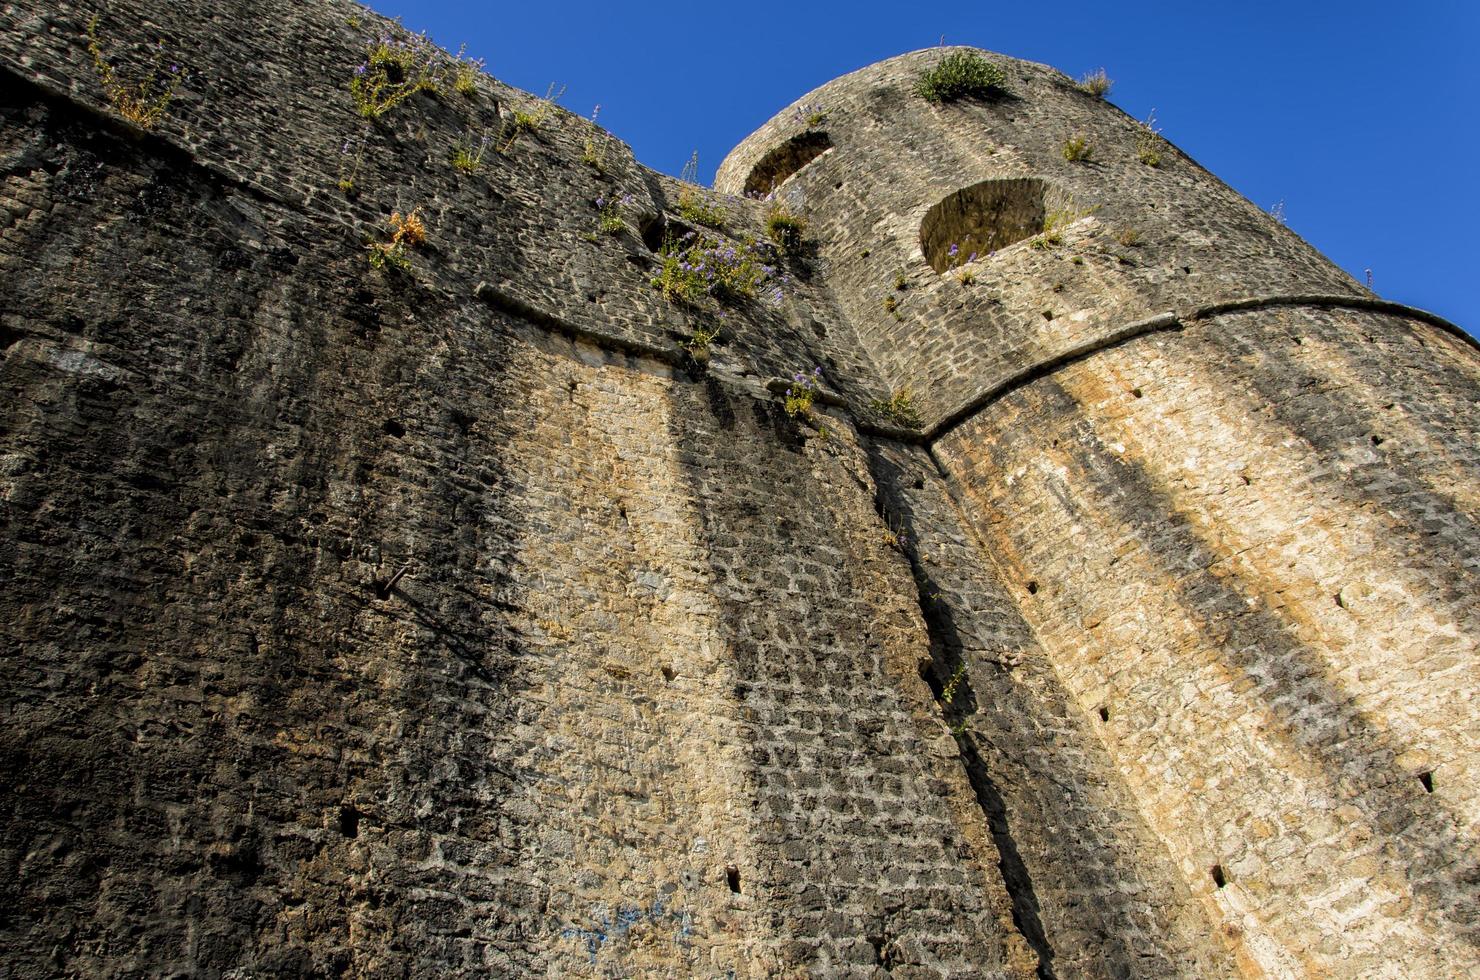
x=1270 y=595
x=456 y=623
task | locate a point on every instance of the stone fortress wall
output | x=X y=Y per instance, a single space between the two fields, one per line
x=1185 y=533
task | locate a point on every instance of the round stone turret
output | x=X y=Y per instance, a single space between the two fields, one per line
x=1232 y=493
x=969 y=248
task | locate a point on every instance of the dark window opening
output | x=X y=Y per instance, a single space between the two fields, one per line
x=981 y=219
x=1427 y=778
x=783 y=162
x=661 y=231
x=1218 y=878
x=732 y=878
x=1104 y=713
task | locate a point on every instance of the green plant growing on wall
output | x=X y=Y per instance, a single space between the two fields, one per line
x=1077 y=149
x=891 y=306
x=948 y=693
x=393 y=70
x=465 y=73
x=692 y=205
x=609 y=213
x=594 y=152
x=1095 y=83
x=898 y=408
x=143 y=103
x=1149 y=142
x=785 y=228
x=468 y=151
x=802 y=392
x=521 y=122
x=810 y=114
x=694 y=208
x=1054 y=223
x=408 y=231
x=350 y=156
x=698 y=343
x=697 y=268
x=959 y=75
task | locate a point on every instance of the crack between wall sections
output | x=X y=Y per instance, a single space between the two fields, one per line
x=946 y=672
x=1015 y=874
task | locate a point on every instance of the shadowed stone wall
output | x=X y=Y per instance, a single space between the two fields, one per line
x=457 y=622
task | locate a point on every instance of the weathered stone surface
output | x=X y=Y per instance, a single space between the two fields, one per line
x=457 y=623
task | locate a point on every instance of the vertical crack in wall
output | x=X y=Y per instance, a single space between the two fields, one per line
x=946 y=675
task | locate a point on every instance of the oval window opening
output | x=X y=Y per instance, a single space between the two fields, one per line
x=980 y=219
x=782 y=162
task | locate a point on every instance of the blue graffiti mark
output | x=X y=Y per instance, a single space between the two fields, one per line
x=603 y=930
x=627 y=917
x=591 y=937
x=684 y=929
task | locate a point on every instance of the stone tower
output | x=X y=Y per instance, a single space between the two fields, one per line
x=478 y=617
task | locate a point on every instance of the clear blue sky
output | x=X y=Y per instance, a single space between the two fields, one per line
x=1361 y=116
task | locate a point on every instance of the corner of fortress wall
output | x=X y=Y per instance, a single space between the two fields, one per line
x=471 y=618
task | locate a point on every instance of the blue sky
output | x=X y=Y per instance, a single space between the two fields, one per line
x=1360 y=116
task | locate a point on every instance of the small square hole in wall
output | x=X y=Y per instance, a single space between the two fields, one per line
x=1218 y=877
x=1427 y=779
x=732 y=878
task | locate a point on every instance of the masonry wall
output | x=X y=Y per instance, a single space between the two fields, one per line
x=458 y=622
x=627 y=709
x=1247 y=548
x=1229 y=495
